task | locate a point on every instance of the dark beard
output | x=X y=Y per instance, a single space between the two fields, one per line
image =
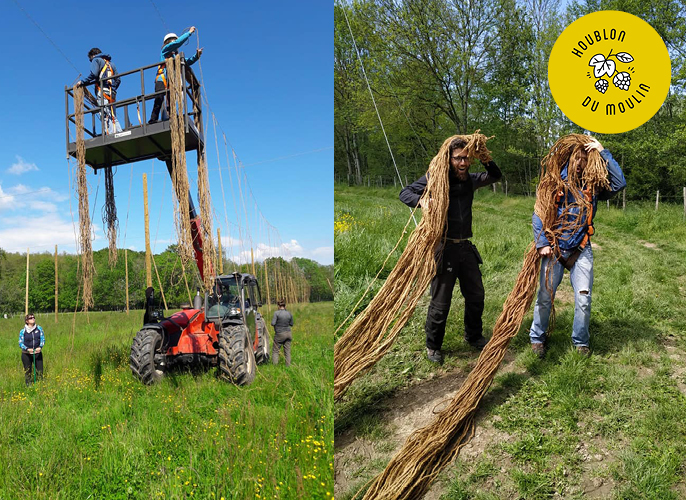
x=462 y=177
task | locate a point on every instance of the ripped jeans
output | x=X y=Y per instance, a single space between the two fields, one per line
x=581 y=277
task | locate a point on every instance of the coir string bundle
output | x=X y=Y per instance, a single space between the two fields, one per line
x=428 y=450
x=368 y=338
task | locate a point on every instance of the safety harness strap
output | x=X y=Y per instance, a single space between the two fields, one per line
x=571 y=259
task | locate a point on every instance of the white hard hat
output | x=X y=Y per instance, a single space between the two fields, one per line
x=169 y=36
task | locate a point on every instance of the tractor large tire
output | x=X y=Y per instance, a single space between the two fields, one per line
x=147 y=359
x=236 y=357
x=262 y=351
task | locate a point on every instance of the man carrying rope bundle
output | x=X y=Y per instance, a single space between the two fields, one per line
x=456 y=257
x=567 y=245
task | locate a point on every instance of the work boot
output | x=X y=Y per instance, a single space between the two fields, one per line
x=583 y=351
x=434 y=355
x=477 y=342
x=539 y=350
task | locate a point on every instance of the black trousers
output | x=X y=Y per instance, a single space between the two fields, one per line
x=458 y=261
x=159 y=99
x=282 y=339
x=27 y=361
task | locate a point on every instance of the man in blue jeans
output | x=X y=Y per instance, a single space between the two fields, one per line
x=575 y=254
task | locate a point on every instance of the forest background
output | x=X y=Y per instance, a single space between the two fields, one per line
x=310 y=280
x=444 y=67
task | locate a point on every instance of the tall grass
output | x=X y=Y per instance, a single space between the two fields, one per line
x=90 y=430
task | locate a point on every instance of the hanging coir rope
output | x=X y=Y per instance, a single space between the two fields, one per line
x=109 y=216
x=85 y=231
x=428 y=450
x=179 y=172
x=365 y=342
x=205 y=202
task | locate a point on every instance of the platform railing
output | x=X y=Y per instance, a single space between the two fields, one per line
x=92 y=108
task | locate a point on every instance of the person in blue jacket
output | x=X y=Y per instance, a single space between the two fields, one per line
x=101 y=68
x=31 y=342
x=576 y=255
x=170 y=46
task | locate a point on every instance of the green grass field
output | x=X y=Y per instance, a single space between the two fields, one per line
x=90 y=430
x=611 y=426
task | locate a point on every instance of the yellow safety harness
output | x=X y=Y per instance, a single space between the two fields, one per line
x=569 y=262
x=106 y=72
x=160 y=72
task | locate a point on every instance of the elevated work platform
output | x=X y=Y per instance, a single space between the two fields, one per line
x=137 y=141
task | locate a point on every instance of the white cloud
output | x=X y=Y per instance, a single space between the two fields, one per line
x=44 y=193
x=6 y=200
x=37 y=233
x=21 y=166
x=323 y=255
x=286 y=250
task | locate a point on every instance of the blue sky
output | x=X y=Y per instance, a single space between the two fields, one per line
x=267 y=72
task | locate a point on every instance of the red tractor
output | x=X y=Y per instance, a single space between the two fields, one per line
x=225 y=330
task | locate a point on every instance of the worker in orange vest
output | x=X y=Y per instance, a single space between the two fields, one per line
x=102 y=70
x=170 y=45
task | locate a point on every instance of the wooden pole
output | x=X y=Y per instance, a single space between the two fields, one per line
x=266 y=284
x=623 y=199
x=657 y=199
x=685 y=202
x=148 y=252
x=188 y=290
x=252 y=259
x=221 y=255
x=126 y=272
x=26 y=302
x=55 y=283
x=159 y=283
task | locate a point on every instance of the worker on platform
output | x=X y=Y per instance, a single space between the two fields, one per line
x=102 y=70
x=170 y=47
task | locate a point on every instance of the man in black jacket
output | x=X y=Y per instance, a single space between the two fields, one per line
x=456 y=257
x=102 y=69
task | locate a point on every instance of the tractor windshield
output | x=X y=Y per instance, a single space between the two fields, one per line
x=224 y=299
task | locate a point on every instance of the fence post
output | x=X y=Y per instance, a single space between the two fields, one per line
x=623 y=199
x=657 y=199
x=608 y=204
x=505 y=187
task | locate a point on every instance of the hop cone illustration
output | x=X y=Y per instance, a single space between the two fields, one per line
x=622 y=80
x=601 y=85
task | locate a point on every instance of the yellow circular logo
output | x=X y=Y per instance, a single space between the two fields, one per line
x=609 y=72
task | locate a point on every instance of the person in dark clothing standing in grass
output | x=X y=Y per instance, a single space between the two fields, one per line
x=457 y=257
x=31 y=341
x=282 y=323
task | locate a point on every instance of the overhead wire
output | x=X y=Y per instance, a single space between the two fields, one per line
x=383 y=129
x=46 y=35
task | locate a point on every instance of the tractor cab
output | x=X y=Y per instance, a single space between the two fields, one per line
x=235 y=298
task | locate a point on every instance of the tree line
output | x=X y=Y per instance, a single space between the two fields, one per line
x=443 y=67
x=299 y=279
